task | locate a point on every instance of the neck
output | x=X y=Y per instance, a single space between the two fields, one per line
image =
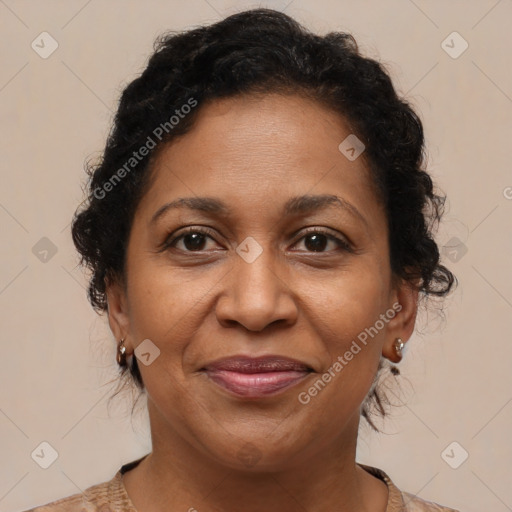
x=178 y=476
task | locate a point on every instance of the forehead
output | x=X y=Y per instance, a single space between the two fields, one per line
x=255 y=148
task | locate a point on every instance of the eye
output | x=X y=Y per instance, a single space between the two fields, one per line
x=316 y=240
x=192 y=240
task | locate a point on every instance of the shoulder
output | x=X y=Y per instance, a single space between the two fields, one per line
x=414 y=504
x=110 y=496
x=399 y=501
x=93 y=499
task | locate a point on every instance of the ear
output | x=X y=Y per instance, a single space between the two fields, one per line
x=118 y=317
x=405 y=303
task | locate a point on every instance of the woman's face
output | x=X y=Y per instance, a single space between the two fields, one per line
x=294 y=264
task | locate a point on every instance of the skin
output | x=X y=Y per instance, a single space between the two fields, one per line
x=198 y=303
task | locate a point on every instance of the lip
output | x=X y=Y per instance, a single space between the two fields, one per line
x=256 y=377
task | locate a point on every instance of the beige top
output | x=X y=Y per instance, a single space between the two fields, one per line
x=111 y=496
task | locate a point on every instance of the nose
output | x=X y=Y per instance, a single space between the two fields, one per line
x=256 y=294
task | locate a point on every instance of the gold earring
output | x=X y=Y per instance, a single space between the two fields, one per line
x=121 y=353
x=399 y=345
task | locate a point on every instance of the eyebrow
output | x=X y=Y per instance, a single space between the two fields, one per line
x=294 y=206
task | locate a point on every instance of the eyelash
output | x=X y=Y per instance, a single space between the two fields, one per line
x=342 y=244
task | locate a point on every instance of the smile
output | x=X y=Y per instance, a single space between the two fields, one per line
x=256 y=377
x=256 y=385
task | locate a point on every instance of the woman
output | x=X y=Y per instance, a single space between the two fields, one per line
x=259 y=234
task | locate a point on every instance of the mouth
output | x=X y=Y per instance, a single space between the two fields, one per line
x=260 y=377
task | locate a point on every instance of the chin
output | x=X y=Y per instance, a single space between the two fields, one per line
x=256 y=454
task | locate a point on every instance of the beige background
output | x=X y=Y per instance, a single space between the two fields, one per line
x=58 y=356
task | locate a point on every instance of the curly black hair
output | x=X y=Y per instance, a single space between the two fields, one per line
x=262 y=51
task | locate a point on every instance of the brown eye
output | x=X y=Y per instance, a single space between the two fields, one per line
x=315 y=242
x=318 y=240
x=192 y=240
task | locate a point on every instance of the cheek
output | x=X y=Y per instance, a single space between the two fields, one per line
x=346 y=315
x=165 y=306
x=162 y=294
x=162 y=311
x=346 y=304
